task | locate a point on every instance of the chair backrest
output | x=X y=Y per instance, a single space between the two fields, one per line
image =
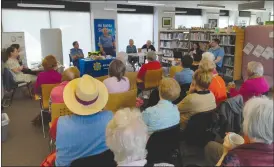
x=174 y=70
x=102 y=78
x=132 y=77
x=46 y=90
x=121 y=100
x=59 y=109
x=161 y=144
x=8 y=79
x=200 y=128
x=104 y=159
x=153 y=78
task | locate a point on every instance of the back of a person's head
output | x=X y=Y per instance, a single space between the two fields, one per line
x=127 y=135
x=255 y=68
x=49 y=62
x=202 y=78
x=208 y=56
x=117 y=69
x=186 y=61
x=169 y=89
x=151 y=56
x=197 y=57
x=207 y=65
x=258 y=119
x=70 y=74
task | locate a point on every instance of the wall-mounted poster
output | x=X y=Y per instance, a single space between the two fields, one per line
x=99 y=24
x=213 y=23
x=166 y=22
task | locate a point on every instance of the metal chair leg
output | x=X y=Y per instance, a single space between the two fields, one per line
x=43 y=126
x=13 y=92
x=30 y=94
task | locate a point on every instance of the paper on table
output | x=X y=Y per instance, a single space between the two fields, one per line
x=258 y=50
x=248 y=48
x=141 y=59
x=268 y=53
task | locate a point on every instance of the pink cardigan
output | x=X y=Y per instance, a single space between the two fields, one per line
x=56 y=95
x=47 y=77
x=251 y=87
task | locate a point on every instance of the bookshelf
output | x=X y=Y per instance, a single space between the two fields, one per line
x=202 y=37
x=233 y=46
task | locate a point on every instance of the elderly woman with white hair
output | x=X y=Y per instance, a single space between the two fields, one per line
x=258 y=131
x=126 y=136
x=148 y=46
x=255 y=85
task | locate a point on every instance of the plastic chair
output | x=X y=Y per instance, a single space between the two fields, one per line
x=132 y=77
x=121 y=100
x=57 y=110
x=102 y=78
x=174 y=70
x=153 y=78
x=164 y=146
x=44 y=101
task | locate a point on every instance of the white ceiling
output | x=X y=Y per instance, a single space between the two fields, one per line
x=229 y=5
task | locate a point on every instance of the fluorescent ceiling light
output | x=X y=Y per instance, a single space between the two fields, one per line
x=175 y=11
x=217 y=13
x=26 y=5
x=145 y=3
x=210 y=6
x=255 y=10
x=121 y=9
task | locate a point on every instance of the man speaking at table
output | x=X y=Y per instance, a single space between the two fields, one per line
x=76 y=53
x=107 y=43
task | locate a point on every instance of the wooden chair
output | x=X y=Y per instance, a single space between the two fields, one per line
x=153 y=78
x=102 y=78
x=132 y=77
x=121 y=100
x=57 y=110
x=44 y=101
x=174 y=70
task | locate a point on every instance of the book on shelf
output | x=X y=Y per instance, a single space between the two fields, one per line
x=225 y=39
x=229 y=72
x=228 y=61
x=200 y=36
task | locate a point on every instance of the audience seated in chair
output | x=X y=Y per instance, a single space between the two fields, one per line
x=185 y=76
x=82 y=134
x=258 y=135
x=56 y=95
x=126 y=136
x=49 y=75
x=164 y=114
x=196 y=61
x=152 y=64
x=199 y=99
x=117 y=82
x=255 y=85
x=217 y=85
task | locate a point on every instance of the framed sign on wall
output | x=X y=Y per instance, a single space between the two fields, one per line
x=166 y=22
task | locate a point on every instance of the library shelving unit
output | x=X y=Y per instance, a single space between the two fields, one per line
x=173 y=40
x=202 y=37
x=233 y=45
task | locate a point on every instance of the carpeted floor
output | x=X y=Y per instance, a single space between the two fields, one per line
x=25 y=145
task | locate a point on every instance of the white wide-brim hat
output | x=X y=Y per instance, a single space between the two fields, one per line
x=85 y=95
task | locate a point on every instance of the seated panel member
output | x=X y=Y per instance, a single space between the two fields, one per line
x=148 y=46
x=76 y=53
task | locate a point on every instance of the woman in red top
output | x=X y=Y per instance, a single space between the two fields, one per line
x=151 y=65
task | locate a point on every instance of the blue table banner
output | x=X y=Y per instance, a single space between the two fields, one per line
x=94 y=68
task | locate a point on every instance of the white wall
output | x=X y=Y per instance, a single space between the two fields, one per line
x=158 y=15
x=98 y=12
x=206 y=15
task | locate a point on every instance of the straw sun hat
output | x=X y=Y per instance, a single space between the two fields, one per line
x=85 y=95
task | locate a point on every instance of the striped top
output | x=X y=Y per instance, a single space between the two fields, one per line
x=161 y=116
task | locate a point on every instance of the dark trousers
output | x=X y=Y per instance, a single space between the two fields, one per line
x=109 y=51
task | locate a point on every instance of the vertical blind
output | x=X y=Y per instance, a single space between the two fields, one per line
x=138 y=27
x=75 y=26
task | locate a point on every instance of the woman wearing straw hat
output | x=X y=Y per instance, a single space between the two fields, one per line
x=82 y=134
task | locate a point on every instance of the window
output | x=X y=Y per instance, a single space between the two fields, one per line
x=223 y=21
x=138 y=27
x=30 y=22
x=75 y=26
x=188 y=21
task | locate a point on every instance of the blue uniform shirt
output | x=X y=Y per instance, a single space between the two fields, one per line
x=106 y=42
x=219 y=52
